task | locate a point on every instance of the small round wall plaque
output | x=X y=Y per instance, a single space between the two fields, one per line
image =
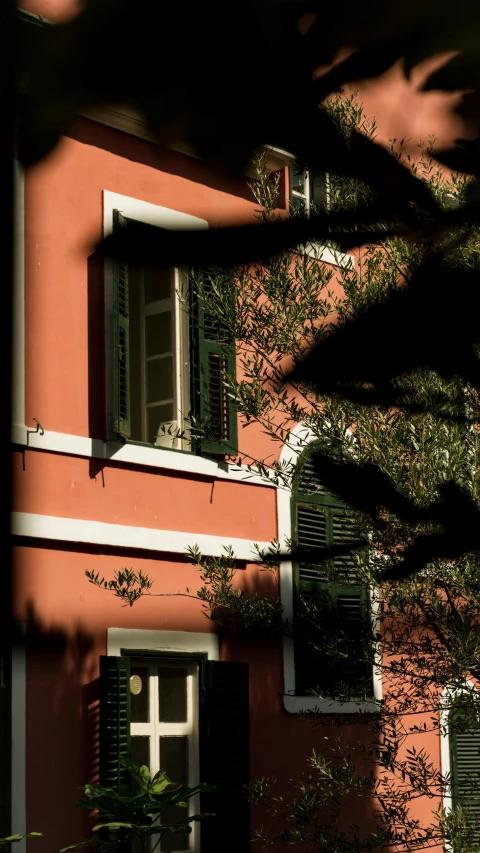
x=135 y=684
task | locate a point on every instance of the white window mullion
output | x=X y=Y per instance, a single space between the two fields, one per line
x=140 y=729
x=308 y=194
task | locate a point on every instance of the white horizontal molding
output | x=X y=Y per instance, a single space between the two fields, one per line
x=162 y=641
x=134 y=454
x=125 y=536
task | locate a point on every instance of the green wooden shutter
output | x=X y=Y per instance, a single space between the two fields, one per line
x=114 y=719
x=224 y=757
x=465 y=772
x=318 y=190
x=121 y=341
x=321 y=520
x=215 y=359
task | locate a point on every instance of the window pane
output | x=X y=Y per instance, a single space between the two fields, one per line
x=140 y=753
x=160 y=379
x=158 y=284
x=298 y=181
x=174 y=760
x=172 y=694
x=297 y=204
x=139 y=694
x=158 y=333
x=157 y=415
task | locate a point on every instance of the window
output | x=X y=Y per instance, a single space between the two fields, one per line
x=167 y=365
x=189 y=716
x=321 y=520
x=307 y=189
x=465 y=770
x=164 y=729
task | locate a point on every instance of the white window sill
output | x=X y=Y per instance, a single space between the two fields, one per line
x=148 y=456
x=328 y=255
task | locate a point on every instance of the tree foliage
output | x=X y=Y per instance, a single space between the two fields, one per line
x=379 y=362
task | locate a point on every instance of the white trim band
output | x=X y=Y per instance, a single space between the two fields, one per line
x=126 y=536
x=134 y=454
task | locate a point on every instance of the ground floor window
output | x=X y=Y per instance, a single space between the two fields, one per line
x=188 y=716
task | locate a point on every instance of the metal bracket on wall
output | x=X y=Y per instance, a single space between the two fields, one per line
x=38 y=429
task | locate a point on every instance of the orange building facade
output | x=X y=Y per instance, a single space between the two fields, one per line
x=202 y=702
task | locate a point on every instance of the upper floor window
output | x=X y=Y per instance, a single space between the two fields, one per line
x=170 y=360
x=307 y=189
x=331 y=607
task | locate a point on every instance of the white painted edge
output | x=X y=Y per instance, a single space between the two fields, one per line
x=18 y=307
x=150 y=214
x=164 y=641
x=125 y=536
x=18 y=755
x=135 y=454
x=299 y=437
x=329 y=256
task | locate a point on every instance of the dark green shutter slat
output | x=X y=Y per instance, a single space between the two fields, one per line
x=307 y=482
x=114 y=719
x=216 y=359
x=311 y=532
x=321 y=520
x=121 y=340
x=465 y=771
x=224 y=757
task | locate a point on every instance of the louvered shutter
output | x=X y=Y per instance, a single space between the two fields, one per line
x=224 y=757
x=465 y=770
x=121 y=340
x=321 y=520
x=114 y=719
x=216 y=359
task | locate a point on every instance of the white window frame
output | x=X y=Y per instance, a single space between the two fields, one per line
x=180 y=355
x=163 y=217
x=306 y=196
x=300 y=437
x=325 y=254
x=154 y=729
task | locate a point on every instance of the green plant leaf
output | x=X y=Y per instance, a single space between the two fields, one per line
x=159 y=782
x=10 y=839
x=115 y=824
